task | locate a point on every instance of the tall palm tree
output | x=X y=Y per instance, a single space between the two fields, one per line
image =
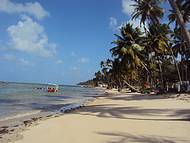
x=179 y=48
x=180 y=44
x=180 y=19
x=143 y=9
x=184 y=8
x=129 y=46
x=147 y=10
x=128 y=51
x=157 y=43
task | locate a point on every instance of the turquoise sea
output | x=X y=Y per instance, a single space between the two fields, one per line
x=23 y=99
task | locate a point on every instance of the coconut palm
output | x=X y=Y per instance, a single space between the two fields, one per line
x=180 y=44
x=128 y=52
x=98 y=76
x=157 y=44
x=179 y=47
x=181 y=17
x=129 y=46
x=184 y=8
x=148 y=11
x=111 y=70
x=106 y=66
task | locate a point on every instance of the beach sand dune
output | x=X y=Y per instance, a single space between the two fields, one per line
x=118 y=119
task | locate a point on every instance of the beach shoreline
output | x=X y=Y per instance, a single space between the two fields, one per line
x=21 y=137
x=10 y=128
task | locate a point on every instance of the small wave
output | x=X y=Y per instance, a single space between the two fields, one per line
x=20 y=115
x=69 y=107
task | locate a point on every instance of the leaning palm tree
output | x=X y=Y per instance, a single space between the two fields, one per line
x=181 y=19
x=180 y=45
x=184 y=8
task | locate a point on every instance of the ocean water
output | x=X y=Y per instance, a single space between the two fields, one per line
x=21 y=99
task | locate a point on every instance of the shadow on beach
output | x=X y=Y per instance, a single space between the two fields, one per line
x=126 y=137
x=135 y=112
x=137 y=96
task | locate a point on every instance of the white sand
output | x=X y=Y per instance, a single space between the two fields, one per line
x=118 y=119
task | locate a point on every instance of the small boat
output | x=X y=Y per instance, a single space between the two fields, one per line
x=52 y=88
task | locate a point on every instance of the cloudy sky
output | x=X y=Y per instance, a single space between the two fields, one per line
x=57 y=41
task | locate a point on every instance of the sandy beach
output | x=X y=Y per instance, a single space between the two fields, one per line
x=89 y=71
x=118 y=119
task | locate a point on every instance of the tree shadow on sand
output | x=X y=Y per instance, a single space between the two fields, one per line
x=135 y=113
x=126 y=137
x=136 y=96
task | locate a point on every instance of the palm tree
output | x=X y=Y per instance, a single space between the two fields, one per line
x=106 y=66
x=147 y=10
x=128 y=52
x=98 y=76
x=181 y=19
x=184 y=8
x=157 y=46
x=129 y=46
x=111 y=70
x=179 y=48
x=180 y=44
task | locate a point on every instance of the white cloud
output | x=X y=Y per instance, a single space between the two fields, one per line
x=113 y=23
x=29 y=36
x=127 y=7
x=30 y=8
x=83 y=60
x=12 y=58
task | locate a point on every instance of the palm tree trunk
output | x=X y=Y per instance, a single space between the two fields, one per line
x=147 y=72
x=176 y=65
x=128 y=84
x=161 y=74
x=181 y=22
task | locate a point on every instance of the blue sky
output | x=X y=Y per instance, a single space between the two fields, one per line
x=57 y=41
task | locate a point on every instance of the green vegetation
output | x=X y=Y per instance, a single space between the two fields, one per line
x=154 y=58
